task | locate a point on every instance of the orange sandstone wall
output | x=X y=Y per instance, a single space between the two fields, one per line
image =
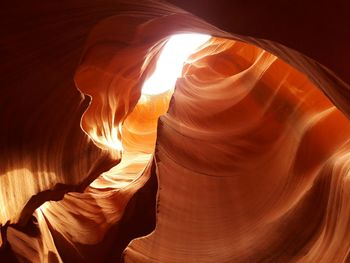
x=249 y=163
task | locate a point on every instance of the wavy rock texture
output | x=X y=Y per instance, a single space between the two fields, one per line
x=258 y=182
x=248 y=163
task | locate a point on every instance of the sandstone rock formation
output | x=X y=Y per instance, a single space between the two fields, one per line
x=245 y=160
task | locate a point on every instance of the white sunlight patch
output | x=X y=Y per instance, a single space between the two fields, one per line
x=171 y=60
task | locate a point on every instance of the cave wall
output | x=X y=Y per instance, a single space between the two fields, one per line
x=58 y=57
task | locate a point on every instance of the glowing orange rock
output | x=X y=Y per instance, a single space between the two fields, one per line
x=251 y=158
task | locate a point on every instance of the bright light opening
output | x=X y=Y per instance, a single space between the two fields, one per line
x=171 y=60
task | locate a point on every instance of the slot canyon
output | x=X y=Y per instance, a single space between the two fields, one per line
x=175 y=131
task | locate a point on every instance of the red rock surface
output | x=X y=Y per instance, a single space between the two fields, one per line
x=247 y=163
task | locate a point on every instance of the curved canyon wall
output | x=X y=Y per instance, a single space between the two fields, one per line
x=247 y=163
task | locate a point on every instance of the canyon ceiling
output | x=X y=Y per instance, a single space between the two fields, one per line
x=245 y=159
